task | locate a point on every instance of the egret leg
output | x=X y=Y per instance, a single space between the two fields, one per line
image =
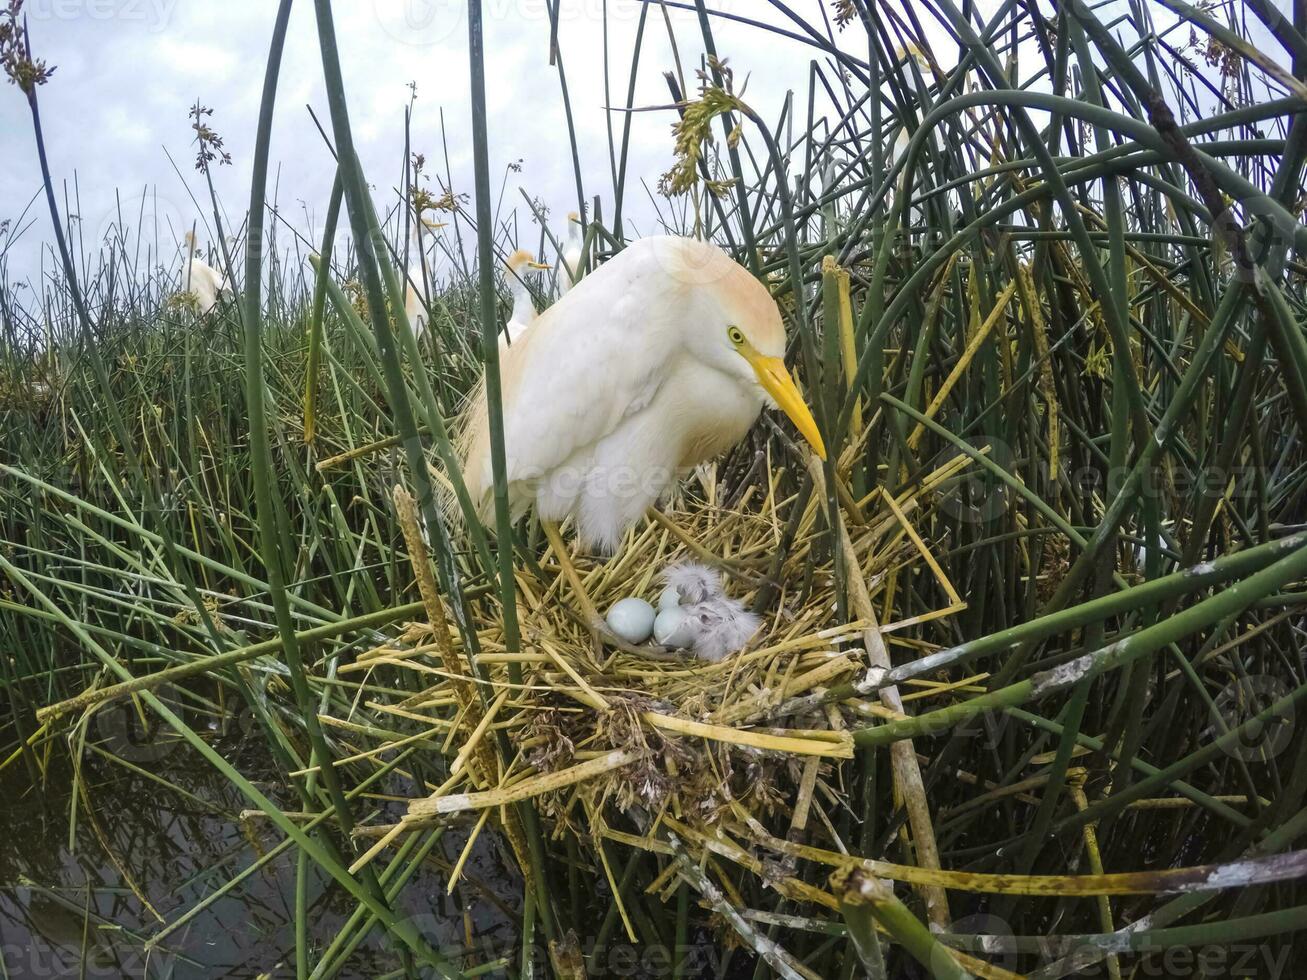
x=588 y=608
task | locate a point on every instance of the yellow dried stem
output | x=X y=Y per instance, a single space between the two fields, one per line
x=1039 y=328
x=907 y=774
x=977 y=340
x=524 y=790
x=1095 y=858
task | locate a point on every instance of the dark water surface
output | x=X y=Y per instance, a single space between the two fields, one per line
x=68 y=907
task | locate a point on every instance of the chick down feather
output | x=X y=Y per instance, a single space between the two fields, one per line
x=720 y=626
x=694 y=583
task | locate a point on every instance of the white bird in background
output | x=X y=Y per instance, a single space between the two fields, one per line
x=569 y=262
x=1142 y=550
x=414 y=307
x=201 y=280
x=519 y=264
x=830 y=219
x=659 y=360
x=904 y=138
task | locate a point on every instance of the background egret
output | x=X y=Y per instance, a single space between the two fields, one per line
x=569 y=262
x=519 y=264
x=415 y=307
x=201 y=280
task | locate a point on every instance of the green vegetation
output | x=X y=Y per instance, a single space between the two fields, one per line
x=1041 y=274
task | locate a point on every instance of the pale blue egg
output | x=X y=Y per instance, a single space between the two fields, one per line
x=672 y=628
x=632 y=619
x=670 y=598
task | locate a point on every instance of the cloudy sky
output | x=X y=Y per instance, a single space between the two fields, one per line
x=116 y=111
x=128 y=71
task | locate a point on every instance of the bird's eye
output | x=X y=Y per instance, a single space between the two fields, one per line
x=736 y=336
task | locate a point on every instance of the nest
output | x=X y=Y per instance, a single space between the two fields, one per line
x=719 y=769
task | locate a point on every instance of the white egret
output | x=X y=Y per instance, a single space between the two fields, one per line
x=569 y=262
x=660 y=359
x=519 y=264
x=201 y=280
x=1142 y=550
x=830 y=221
x=414 y=306
x=901 y=143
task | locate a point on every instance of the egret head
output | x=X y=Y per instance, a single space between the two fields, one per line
x=743 y=336
x=522 y=262
x=423 y=225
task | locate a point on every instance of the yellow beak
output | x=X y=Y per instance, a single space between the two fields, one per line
x=776 y=381
x=537 y=265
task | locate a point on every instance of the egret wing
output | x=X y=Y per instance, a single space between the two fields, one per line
x=582 y=368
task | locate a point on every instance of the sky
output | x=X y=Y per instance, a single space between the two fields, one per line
x=119 y=137
x=116 y=109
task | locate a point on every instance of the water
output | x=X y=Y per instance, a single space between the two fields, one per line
x=68 y=884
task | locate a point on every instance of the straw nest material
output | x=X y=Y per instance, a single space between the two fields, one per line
x=719 y=768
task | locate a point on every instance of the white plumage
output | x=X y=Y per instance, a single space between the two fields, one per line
x=714 y=625
x=660 y=359
x=1142 y=551
x=519 y=264
x=902 y=142
x=414 y=307
x=719 y=627
x=693 y=582
x=201 y=280
x=569 y=262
